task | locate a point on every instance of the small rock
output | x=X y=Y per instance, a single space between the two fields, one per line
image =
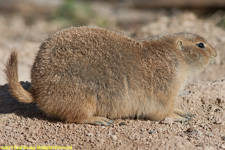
x=181 y=134
x=218 y=120
x=200 y=133
x=152 y=131
x=217 y=110
x=142 y=129
x=208 y=148
x=199 y=145
x=167 y=120
x=223 y=138
x=122 y=123
x=114 y=137
x=218 y=100
x=223 y=146
x=209 y=134
x=191 y=131
x=89 y=134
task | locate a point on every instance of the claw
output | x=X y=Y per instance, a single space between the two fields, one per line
x=110 y=122
x=183 y=113
x=99 y=123
x=179 y=118
x=96 y=120
x=182 y=119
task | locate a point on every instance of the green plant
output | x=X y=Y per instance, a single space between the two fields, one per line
x=74 y=12
x=222 y=23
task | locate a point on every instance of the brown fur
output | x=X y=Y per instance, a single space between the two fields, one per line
x=11 y=72
x=88 y=74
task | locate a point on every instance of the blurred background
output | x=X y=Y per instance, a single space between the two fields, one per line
x=24 y=24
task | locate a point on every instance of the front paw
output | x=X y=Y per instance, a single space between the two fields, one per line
x=183 y=113
x=178 y=118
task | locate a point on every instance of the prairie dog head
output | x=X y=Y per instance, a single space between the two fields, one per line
x=197 y=52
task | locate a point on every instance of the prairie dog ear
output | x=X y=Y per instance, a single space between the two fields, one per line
x=180 y=44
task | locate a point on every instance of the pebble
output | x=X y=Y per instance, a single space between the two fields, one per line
x=167 y=120
x=122 y=123
x=218 y=120
x=218 y=100
x=89 y=134
x=209 y=134
x=208 y=148
x=152 y=131
x=191 y=131
x=223 y=138
x=114 y=137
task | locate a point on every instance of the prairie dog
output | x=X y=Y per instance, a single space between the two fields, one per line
x=92 y=75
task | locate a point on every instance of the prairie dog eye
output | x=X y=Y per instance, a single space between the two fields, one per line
x=201 y=45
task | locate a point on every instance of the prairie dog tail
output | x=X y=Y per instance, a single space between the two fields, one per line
x=15 y=87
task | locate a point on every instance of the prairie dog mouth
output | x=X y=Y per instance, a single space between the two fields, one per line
x=212 y=60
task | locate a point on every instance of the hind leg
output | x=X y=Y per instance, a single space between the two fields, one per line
x=87 y=117
x=161 y=112
x=84 y=113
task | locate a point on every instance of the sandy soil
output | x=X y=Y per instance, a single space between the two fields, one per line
x=25 y=124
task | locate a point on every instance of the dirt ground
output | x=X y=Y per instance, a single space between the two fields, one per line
x=24 y=124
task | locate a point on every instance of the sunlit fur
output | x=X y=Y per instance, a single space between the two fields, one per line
x=88 y=74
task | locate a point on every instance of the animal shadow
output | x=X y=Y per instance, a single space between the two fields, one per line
x=9 y=104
